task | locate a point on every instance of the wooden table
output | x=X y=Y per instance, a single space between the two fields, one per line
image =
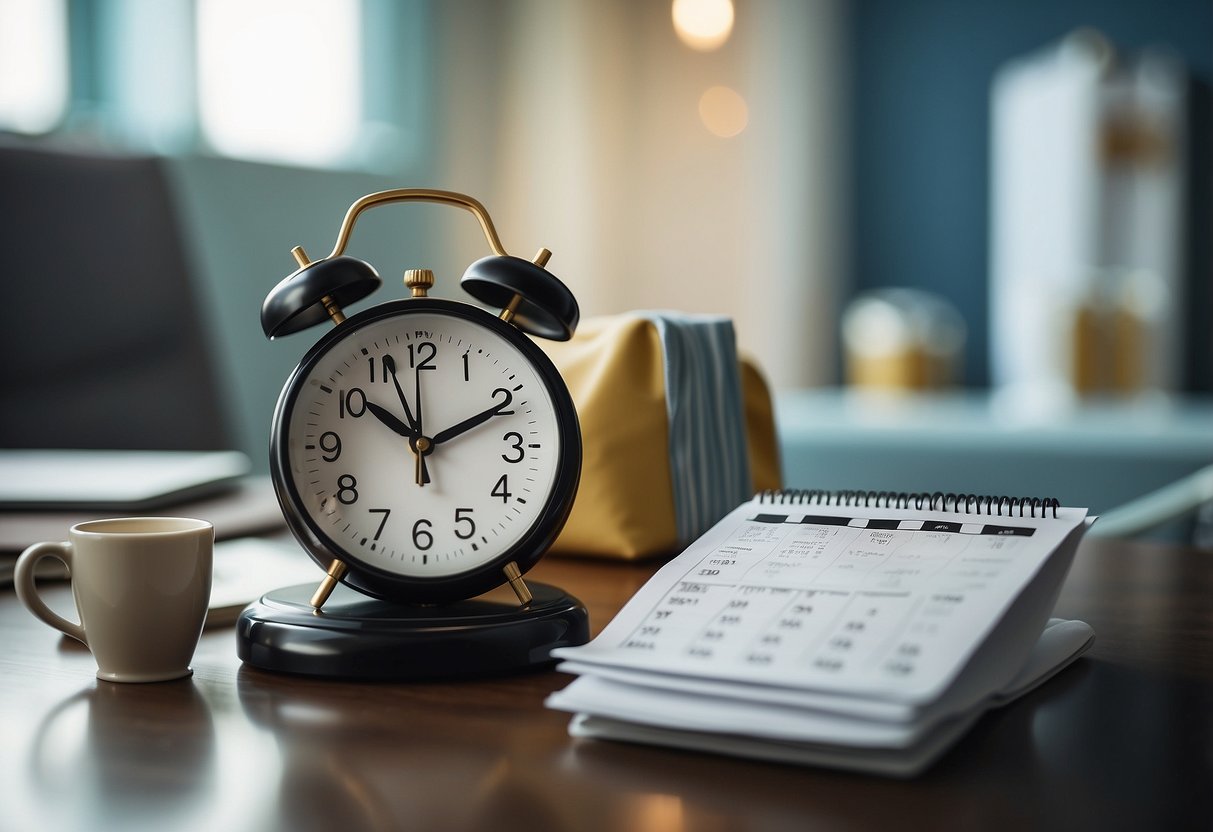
x=1124 y=739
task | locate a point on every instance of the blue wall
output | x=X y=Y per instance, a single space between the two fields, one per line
x=920 y=80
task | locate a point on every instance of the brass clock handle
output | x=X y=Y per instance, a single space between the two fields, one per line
x=451 y=198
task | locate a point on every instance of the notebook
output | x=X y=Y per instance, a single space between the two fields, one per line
x=849 y=629
x=107 y=480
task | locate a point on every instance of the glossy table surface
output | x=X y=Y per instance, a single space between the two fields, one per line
x=1123 y=739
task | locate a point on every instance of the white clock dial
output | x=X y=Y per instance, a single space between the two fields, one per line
x=441 y=388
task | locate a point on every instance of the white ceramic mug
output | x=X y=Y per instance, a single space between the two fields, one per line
x=142 y=586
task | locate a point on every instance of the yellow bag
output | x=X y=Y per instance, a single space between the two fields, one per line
x=645 y=491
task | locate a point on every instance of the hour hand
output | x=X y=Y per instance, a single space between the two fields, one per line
x=479 y=419
x=388 y=418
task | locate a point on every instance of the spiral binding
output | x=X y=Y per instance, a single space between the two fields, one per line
x=987 y=504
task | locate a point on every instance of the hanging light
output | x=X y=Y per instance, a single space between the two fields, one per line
x=703 y=24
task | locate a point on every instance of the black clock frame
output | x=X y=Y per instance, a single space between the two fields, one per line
x=379 y=583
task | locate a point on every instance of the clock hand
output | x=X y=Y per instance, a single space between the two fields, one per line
x=390 y=364
x=417 y=399
x=421 y=471
x=422 y=445
x=423 y=448
x=471 y=422
x=388 y=418
x=417 y=443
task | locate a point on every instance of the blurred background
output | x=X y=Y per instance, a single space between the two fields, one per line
x=1000 y=199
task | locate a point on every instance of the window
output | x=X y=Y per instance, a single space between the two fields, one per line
x=33 y=64
x=280 y=80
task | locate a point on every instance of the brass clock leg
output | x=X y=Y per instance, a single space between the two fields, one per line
x=335 y=571
x=514 y=575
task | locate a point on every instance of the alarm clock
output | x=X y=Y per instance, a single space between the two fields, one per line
x=424 y=452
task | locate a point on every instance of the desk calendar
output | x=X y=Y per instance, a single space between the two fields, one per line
x=870 y=620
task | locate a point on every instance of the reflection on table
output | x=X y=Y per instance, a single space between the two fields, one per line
x=1124 y=738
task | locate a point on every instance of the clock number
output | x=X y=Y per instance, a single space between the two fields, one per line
x=464 y=515
x=352 y=402
x=467 y=375
x=517 y=446
x=419 y=359
x=422 y=538
x=502 y=489
x=347 y=489
x=509 y=397
x=330 y=443
x=370 y=361
x=386 y=512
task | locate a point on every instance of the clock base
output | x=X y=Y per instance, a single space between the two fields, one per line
x=357 y=637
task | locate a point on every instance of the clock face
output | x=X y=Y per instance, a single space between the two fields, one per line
x=426 y=442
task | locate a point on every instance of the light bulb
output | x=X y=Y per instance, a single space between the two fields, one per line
x=703 y=24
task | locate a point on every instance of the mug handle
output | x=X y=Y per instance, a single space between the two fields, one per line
x=23 y=581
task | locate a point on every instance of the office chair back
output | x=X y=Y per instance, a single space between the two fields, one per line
x=102 y=333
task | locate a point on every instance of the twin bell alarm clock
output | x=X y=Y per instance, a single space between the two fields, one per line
x=425 y=453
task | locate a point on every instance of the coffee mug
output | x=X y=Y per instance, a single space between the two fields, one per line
x=142 y=586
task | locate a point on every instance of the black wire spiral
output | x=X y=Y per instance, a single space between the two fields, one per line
x=988 y=504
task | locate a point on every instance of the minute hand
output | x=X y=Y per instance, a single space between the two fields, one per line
x=390 y=364
x=479 y=419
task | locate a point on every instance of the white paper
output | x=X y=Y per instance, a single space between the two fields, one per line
x=872 y=602
x=639 y=698
x=905 y=762
x=607 y=707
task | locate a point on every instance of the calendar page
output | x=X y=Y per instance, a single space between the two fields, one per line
x=881 y=602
